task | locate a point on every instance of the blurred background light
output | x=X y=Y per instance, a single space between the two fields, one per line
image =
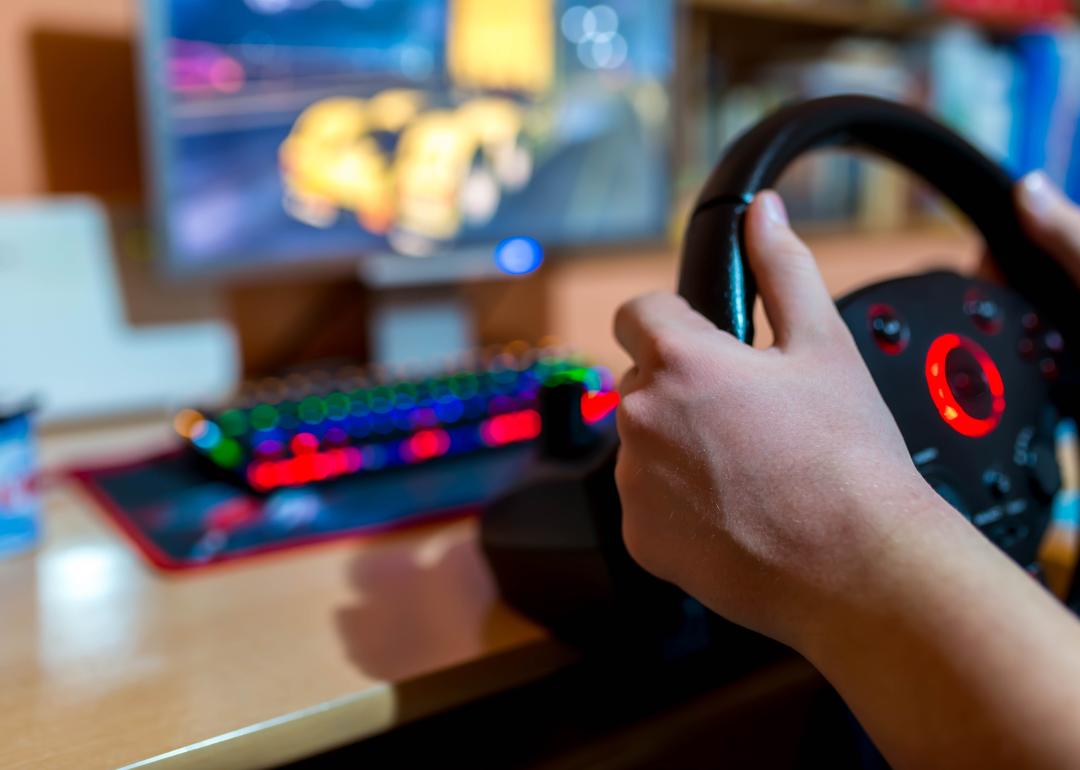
x=519 y=256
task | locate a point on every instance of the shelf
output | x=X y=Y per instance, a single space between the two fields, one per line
x=827 y=16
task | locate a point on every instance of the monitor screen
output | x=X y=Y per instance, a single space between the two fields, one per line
x=294 y=131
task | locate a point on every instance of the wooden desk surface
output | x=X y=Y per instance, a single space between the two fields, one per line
x=107 y=662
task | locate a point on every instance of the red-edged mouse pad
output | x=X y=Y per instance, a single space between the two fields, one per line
x=181 y=518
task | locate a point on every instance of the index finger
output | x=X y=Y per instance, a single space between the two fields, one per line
x=643 y=321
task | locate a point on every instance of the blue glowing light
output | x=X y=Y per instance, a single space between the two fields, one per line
x=519 y=256
x=208 y=438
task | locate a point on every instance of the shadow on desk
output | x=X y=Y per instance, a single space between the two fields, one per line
x=420 y=609
x=428 y=619
x=587 y=712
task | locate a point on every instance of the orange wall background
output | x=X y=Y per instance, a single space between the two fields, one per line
x=22 y=166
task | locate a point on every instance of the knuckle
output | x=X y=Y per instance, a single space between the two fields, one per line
x=629 y=382
x=838 y=336
x=633 y=416
x=634 y=309
x=625 y=313
x=667 y=349
x=827 y=329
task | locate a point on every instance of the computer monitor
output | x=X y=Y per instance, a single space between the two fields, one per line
x=292 y=132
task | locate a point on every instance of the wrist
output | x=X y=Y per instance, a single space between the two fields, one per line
x=902 y=546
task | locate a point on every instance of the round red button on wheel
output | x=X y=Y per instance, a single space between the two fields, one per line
x=965 y=385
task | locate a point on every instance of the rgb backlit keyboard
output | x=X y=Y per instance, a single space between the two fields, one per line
x=317 y=426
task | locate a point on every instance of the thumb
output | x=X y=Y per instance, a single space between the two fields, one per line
x=796 y=301
x=1050 y=219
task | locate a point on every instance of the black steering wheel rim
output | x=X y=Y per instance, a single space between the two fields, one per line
x=715 y=278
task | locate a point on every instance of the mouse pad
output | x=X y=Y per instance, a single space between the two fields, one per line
x=181 y=518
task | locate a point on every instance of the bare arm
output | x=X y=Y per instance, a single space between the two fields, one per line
x=774 y=486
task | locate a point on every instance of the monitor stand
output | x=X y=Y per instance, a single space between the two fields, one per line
x=417 y=326
x=417 y=315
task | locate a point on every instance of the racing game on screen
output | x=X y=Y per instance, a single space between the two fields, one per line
x=292 y=130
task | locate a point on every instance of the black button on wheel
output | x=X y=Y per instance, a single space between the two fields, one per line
x=1044 y=472
x=888 y=329
x=997 y=483
x=985 y=313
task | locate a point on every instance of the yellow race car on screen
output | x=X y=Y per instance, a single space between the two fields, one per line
x=402 y=167
x=332 y=160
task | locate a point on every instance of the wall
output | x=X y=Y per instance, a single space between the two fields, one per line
x=21 y=160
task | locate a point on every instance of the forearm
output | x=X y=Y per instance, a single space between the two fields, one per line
x=951 y=656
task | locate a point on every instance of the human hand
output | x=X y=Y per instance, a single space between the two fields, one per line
x=774 y=486
x=1051 y=219
x=757 y=480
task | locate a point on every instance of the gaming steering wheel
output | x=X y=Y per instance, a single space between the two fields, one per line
x=975 y=373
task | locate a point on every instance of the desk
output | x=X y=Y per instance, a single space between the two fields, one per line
x=107 y=662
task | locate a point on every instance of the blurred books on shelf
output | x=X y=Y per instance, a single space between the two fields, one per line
x=1013 y=93
x=892 y=16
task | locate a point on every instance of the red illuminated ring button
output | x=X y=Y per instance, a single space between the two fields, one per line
x=943 y=389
